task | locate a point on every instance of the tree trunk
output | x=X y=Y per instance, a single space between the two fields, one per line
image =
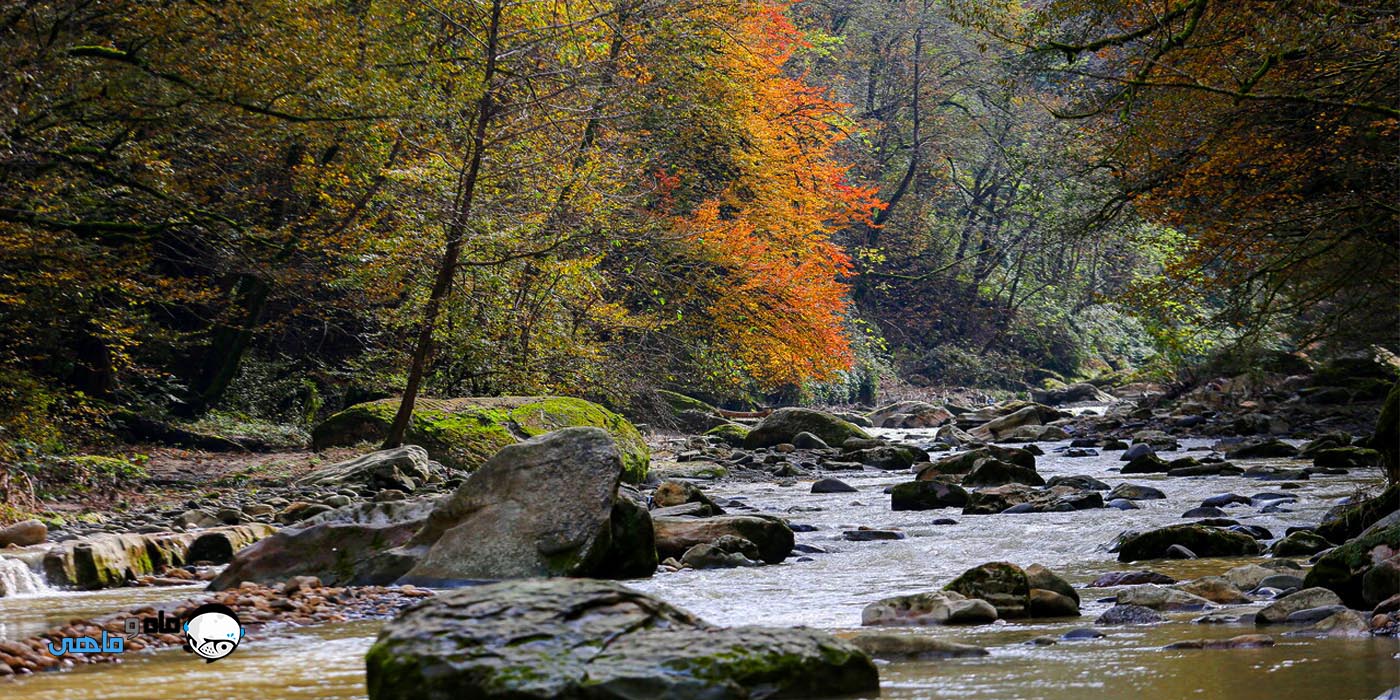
x=461 y=210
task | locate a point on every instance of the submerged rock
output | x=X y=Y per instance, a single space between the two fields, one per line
x=913 y=646
x=595 y=640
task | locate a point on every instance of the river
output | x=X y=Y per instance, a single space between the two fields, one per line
x=829 y=592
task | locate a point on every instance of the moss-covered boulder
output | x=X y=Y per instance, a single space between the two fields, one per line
x=111 y=559
x=464 y=433
x=731 y=434
x=1202 y=540
x=1003 y=585
x=784 y=424
x=595 y=640
x=1342 y=569
x=1347 y=521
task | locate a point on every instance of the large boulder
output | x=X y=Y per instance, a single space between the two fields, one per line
x=464 y=433
x=1003 y=585
x=998 y=428
x=1278 y=611
x=1386 y=439
x=1043 y=414
x=595 y=640
x=1202 y=540
x=404 y=468
x=542 y=507
x=1347 y=521
x=1256 y=448
x=784 y=424
x=350 y=546
x=1074 y=393
x=1152 y=596
x=676 y=535
x=1343 y=569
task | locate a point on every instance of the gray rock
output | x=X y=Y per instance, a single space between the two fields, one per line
x=1279 y=610
x=566 y=638
x=937 y=608
x=405 y=468
x=1158 y=598
x=541 y=507
x=913 y=646
x=832 y=486
x=1136 y=492
x=1128 y=615
x=674 y=536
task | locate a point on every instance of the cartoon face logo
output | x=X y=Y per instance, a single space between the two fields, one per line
x=212 y=632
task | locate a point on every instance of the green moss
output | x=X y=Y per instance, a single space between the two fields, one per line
x=1342 y=568
x=731 y=434
x=464 y=433
x=680 y=402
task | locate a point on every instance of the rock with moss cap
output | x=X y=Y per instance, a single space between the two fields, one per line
x=782 y=425
x=731 y=434
x=1204 y=541
x=463 y=433
x=1002 y=584
x=1344 y=569
x=594 y=640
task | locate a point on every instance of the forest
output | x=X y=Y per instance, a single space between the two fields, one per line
x=276 y=274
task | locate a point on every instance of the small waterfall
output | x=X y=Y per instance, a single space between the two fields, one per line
x=16 y=578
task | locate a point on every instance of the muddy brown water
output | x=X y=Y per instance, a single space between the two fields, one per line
x=829 y=591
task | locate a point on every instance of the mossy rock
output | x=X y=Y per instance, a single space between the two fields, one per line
x=1345 y=522
x=1204 y=541
x=784 y=424
x=731 y=434
x=1342 y=569
x=1000 y=583
x=680 y=402
x=464 y=433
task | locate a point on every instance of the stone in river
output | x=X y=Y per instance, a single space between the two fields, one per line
x=1128 y=615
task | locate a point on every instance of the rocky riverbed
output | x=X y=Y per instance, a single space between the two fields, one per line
x=953 y=539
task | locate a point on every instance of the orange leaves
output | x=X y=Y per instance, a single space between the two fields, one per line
x=776 y=301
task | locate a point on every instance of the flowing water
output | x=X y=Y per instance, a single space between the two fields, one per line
x=829 y=592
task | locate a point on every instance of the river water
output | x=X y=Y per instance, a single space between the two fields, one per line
x=829 y=591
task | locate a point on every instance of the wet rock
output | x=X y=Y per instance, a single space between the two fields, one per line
x=301 y=510
x=993 y=472
x=1340 y=623
x=1158 y=598
x=1136 y=452
x=24 y=534
x=885 y=457
x=1123 y=504
x=1261 y=448
x=405 y=468
x=1223 y=500
x=1002 y=584
x=1038 y=576
x=1308 y=616
x=1128 y=615
x=1204 y=512
x=112 y=559
x=1206 y=469
x=1079 y=482
x=1080 y=452
x=911 y=646
x=938 y=608
x=1244 y=641
x=1346 y=458
x=1045 y=603
x=1201 y=540
x=784 y=424
x=1136 y=492
x=1381 y=581
x=676 y=535
x=865 y=534
x=1343 y=569
x=565 y=638
x=1221 y=618
x=1082 y=633
x=833 y=486
x=909 y=414
x=1278 y=611
x=676 y=493
x=1146 y=464
x=1348 y=521
x=927 y=495
x=1281 y=582
x=350 y=546
x=1299 y=544
x=808 y=441
x=1177 y=551
x=965 y=462
x=1216 y=589
x=1130 y=578
x=998 y=499
x=726 y=552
